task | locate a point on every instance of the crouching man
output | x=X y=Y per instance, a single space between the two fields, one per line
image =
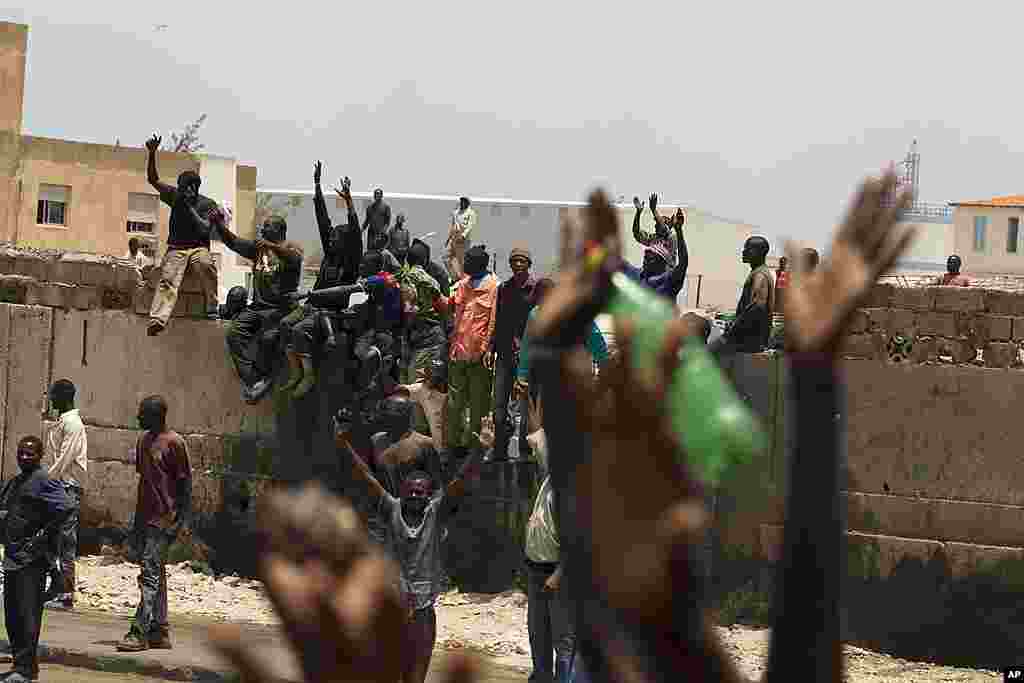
x=33 y=508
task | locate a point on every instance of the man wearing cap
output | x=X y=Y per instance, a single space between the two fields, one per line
x=514 y=301
x=656 y=273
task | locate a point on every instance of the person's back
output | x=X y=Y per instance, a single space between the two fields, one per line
x=759 y=320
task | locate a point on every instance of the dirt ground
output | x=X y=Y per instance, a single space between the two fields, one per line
x=492 y=624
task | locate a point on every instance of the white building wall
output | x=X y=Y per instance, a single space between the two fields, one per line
x=220 y=183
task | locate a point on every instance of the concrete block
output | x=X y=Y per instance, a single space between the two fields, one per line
x=959 y=350
x=880 y=296
x=189 y=305
x=13 y=288
x=53 y=294
x=943 y=520
x=143 y=300
x=30 y=265
x=887 y=552
x=1004 y=303
x=958 y=299
x=914 y=298
x=86 y=297
x=1001 y=355
x=905 y=322
x=925 y=350
x=938 y=324
x=859 y=323
x=110 y=494
x=1018 y=329
x=6 y=261
x=878 y=319
x=127 y=278
x=968 y=558
x=118 y=301
x=188 y=364
x=1000 y=328
x=862 y=346
x=29 y=351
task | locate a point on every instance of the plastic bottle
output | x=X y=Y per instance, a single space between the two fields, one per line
x=714 y=426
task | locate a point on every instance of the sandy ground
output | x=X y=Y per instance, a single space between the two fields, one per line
x=493 y=624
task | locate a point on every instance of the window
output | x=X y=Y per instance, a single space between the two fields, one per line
x=980 y=226
x=1012 y=234
x=53 y=205
x=142 y=213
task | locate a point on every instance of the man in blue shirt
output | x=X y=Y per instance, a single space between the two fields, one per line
x=656 y=273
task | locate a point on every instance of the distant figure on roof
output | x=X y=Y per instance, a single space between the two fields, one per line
x=377 y=221
x=952 y=276
x=460 y=236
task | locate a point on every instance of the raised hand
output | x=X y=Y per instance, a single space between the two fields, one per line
x=486 y=435
x=336 y=595
x=317 y=168
x=637 y=204
x=819 y=304
x=654 y=202
x=153 y=144
x=590 y=253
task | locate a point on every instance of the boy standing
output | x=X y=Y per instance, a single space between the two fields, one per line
x=417 y=522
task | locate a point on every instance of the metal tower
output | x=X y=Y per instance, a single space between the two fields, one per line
x=911 y=178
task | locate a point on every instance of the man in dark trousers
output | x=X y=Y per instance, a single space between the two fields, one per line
x=377 y=221
x=32 y=509
x=515 y=300
x=162 y=513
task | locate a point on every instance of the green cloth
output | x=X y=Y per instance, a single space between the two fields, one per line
x=469 y=388
x=427 y=290
x=594 y=342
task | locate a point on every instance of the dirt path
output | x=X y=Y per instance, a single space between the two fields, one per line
x=492 y=624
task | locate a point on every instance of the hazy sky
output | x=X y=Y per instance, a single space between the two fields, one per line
x=762 y=112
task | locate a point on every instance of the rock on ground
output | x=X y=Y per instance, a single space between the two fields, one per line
x=492 y=624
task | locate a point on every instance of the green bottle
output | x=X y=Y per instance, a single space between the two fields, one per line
x=714 y=426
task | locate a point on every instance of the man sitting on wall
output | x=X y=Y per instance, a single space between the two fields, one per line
x=188 y=243
x=952 y=277
x=276 y=270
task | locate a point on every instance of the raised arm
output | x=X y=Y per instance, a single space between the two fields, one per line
x=323 y=217
x=352 y=240
x=683 y=261
x=152 y=175
x=241 y=246
x=359 y=467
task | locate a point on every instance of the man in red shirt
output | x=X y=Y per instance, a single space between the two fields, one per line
x=163 y=511
x=952 y=277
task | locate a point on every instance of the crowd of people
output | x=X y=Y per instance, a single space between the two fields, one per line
x=615 y=587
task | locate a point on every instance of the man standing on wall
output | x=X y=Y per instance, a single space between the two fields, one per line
x=377 y=221
x=750 y=331
x=67 y=453
x=188 y=243
x=162 y=512
x=460 y=236
x=469 y=381
x=33 y=508
x=514 y=301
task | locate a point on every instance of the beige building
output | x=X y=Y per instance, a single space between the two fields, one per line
x=987 y=235
x=80 y=196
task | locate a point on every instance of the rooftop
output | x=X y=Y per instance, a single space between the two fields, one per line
x=1007 y=201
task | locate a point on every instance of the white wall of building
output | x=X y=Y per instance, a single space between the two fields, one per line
x=220 y=183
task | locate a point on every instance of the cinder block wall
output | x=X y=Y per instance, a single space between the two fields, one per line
x=944 y=324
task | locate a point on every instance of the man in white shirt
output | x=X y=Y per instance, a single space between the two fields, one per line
x=460 y=235
x=67 y=461
x=136 y=254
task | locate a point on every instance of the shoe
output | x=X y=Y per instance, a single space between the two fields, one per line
x=254 y=393
x=308 y=377
x=295 y=372
x=161 y=640
x=154 y=329
x=133 y=642
x=18 y=677
x=61 y=602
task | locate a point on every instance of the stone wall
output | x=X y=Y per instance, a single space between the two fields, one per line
x=942 y=325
